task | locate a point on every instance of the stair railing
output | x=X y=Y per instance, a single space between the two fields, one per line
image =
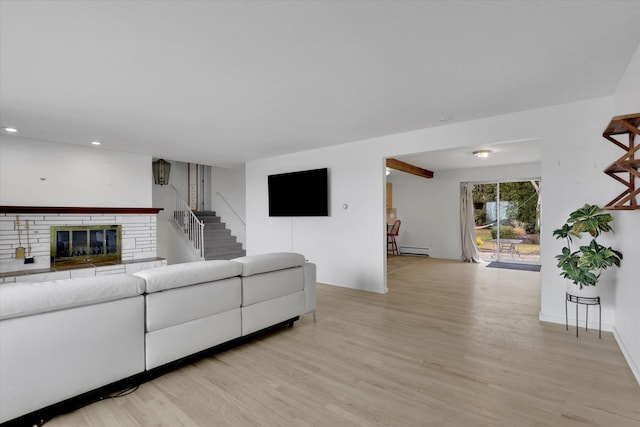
x=188 y=223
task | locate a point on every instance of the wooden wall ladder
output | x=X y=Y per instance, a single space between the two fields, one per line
x=625 y=169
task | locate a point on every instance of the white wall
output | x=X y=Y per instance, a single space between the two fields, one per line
x=346 y=246
x=627 y=321
x=349 y=246
x=429 y=208
x=173 y=245
x=164 y=196
x=627 y=96
x=74 y=175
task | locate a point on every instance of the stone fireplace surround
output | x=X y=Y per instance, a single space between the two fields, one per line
x=139 y=242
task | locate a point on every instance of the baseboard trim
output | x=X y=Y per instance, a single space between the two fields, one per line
x=414 y=250
x=627 y=355
x=572 y=321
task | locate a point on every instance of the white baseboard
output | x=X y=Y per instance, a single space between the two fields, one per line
x=627 y=355
x=572 y=320
x=414 y=250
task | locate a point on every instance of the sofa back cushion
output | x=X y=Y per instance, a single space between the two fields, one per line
x=23 y=299
x=263 y=263
x=275 y=284
x=187 y=274
x=176 y=306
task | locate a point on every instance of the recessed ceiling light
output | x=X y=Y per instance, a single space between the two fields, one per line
x=482 y=154
x=10 y=130
x=96 y=143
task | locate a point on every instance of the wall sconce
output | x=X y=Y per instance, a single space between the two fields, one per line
x=482 y=154
x=161 y=170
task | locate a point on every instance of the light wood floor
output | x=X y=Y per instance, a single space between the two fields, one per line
x=451 y=344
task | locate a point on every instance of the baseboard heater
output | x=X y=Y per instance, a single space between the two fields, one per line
x=414 y=250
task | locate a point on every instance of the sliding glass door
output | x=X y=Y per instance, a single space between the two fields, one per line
x=507 y=217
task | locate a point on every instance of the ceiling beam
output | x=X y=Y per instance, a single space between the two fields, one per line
x=408 y=168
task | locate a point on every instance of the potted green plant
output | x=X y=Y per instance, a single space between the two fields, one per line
x=582 y=267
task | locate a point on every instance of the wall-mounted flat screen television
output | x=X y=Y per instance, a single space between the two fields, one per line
x=303 y=193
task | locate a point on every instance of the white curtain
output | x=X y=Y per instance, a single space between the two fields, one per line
x=468 y=224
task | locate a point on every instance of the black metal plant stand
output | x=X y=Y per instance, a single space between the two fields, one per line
x=587 y=302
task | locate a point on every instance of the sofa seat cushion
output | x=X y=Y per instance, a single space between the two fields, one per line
x=187 y=274
x=266 y=286
x=23 y=299
x=263 y=263
x=176 y=306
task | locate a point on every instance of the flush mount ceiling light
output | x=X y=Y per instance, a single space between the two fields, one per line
x=482 y=154
x=10 y=130
x=96 y=143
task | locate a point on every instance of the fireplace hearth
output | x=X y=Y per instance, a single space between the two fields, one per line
x=72 y=245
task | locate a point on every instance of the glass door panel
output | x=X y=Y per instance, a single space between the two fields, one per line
x=96 y=242
x=112 y=241
x=63 y=244
x=518 y=230
x=507 y=217
x=79 y=243
x=486 y=214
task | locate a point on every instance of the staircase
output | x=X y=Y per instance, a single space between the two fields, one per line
x=218 y=241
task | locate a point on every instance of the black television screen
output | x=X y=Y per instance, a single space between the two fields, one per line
x=303 y=193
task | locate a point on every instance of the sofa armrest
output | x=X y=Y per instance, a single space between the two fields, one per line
x=309 y=287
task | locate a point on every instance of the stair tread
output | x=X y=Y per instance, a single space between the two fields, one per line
x=212 y=220
x=219 y=243
x=206 y=215
x=208 y=249
x=216 y=230
x=219 y=237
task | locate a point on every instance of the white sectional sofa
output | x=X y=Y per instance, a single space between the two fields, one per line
x=190 y=307
x=64 y=340
x=274 y=289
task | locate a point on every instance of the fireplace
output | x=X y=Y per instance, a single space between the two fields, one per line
x=72 y=245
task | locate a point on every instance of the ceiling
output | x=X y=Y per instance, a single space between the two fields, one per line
x=503 y=153
x=224 y=82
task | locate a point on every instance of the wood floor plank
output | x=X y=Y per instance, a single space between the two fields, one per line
x=450 y=344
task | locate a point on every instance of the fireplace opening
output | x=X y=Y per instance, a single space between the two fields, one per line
x=85 y=244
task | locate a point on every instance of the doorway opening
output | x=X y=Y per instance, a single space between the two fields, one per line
x=507 y=221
